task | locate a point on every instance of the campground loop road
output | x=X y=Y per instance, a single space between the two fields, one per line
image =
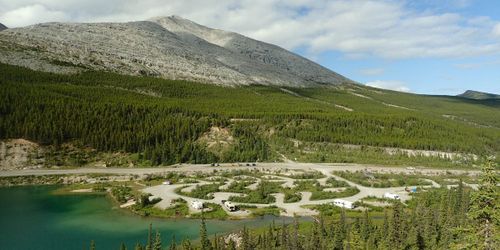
x=168 y=194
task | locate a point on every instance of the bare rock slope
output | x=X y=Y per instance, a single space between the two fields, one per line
x=168 y=47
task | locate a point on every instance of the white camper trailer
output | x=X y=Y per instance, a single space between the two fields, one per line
x=391 y=196
x=230 y=206
x=197 y=205
x=343 y=203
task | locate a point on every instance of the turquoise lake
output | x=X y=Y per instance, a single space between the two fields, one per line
x=32 y=218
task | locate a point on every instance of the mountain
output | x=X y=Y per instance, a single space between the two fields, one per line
x=2 y=27
x=167 y=47
x=476 y=95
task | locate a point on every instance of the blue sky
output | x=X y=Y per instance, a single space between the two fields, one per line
x=427 y=75
x=420 y=46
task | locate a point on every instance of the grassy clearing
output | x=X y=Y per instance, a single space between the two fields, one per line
x=262 y=195
x=381 y=180
x=261 y=211
x=214 y=211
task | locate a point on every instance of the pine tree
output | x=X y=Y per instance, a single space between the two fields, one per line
x=157 y=241
x=366 y=226
x=396 y=228
x=123 y=247
x=92 y=245
x=205 y=242
x=215 y=243
x=246 y=243
x=295 y=235
x=231 y=245
x=485 y=211
x=340 y=232
x=315 y=237
x=186 y=245
x=284 y=241
x=138 y=246
x=149 y=245
x=354 y=241
x=173 y=243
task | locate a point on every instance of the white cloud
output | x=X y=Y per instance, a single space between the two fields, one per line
x=391 y=85
x=384 y=28
x=496 y=30
x=31 y=14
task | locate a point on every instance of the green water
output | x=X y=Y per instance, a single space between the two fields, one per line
x=33 y=218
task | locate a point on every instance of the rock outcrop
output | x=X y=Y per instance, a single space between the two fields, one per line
x=168 y=47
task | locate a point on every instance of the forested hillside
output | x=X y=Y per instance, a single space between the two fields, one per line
x=161 y=121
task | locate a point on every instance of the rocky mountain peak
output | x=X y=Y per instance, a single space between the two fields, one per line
x=2 y=27
x=169 y=47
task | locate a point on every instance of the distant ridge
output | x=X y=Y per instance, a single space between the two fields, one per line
x=2 y=27
x=168 y=47
x=477 y=95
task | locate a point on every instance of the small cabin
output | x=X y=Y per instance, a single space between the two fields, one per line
x=197 y=205
x=343 y=203
x=391 y=196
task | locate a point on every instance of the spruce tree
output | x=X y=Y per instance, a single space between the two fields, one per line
x=246 y=243
x=354 y=240
x=157 y=241
x=205 y=242
x=173 y=243
x=295 y=235
x=138 y=246
x=315 y=237
x=484 y=210
x=186 y=245
x=123 y=247
x=149 y=245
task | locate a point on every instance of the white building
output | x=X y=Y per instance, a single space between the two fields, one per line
x=197 y=205
x=343 y=203
x=391 y=196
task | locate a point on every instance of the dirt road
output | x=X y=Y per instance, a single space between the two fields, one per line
x=227 y=166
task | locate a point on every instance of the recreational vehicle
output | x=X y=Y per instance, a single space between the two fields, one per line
x=391 y=196
x=197 y=205
x=343 y=203
x=230 y=206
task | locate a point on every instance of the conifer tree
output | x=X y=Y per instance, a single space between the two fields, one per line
x=315 y=238
x=484 y=210
x=205 y=242
x=138 y=246
x=123 y=247
x=284 y=241
x=354 y=241
x=246 y=243
x=173 y=243
x=149 y=244
x=231 y=245
x=186 y=245
x=295 y=235
x=157 y=241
